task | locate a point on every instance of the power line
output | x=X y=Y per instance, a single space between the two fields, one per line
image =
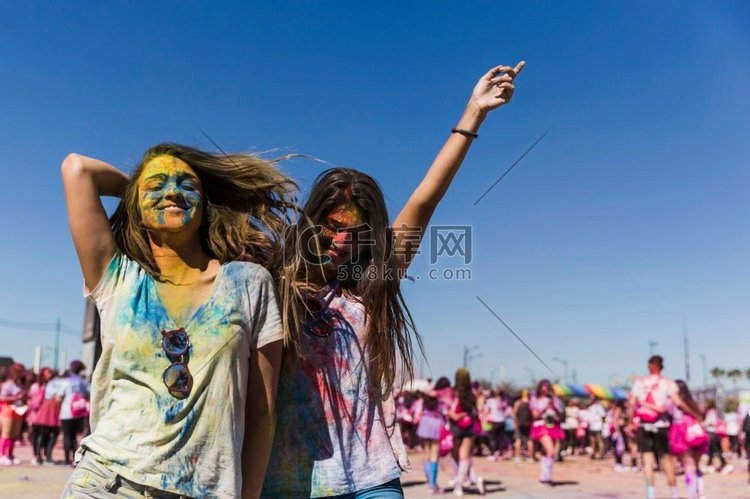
x=39 y=326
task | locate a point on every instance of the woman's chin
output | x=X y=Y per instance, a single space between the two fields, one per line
x=170 y=229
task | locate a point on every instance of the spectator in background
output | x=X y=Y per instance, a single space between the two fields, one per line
x=48 y=418
x=29 y=378
x=36 y=401
x=13 y=400
x=464 y=418
x=651 y=399
x=732 y=420
x=494 y=414
x=595 y=415
x=712 y=421
x=522 y=419
x=405 y=414
x=547 y=411
x=430 y=424
x=743 y=414
x=570 y=426
x=685 y=443
x=510 y=427
x=74 y=392
x=620 y=439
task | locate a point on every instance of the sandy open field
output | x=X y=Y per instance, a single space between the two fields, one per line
x=578 y=477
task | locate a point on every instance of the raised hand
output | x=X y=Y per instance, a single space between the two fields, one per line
x=496 y=87
x=492 y=91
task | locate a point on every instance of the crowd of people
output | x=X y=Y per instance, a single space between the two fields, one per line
x=37 y=408
x=660 y=426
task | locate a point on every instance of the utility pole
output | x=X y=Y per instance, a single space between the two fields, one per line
x=37 y=358
x=565 y=367
x=705 y=370
x=531 y=375
x=57 y=345
x=468 y=354
x=687 y=355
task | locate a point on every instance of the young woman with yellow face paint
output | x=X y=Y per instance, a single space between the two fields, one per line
x=348 y=325
x=183 y=395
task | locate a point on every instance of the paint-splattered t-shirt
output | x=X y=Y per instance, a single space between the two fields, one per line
x=192 y=446
x=332 y=436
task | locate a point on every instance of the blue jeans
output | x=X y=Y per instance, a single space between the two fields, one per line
x=390 y=490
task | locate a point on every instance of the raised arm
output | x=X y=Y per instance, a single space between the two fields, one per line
x=492 y=91
x=85 y=181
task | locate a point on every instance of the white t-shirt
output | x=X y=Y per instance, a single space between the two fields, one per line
x=68 y=388
x=733 y=423
x=595 y=416
x=711 y=420
x=571 y=418
x=191 y=446
x=657 y=391
x=495 y=409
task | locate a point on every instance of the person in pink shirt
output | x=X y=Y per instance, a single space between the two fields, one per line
x=688 y=440
x=13 y=398
x=36 y=399
x=547 y=411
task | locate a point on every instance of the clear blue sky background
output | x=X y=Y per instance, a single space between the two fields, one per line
x=628 y=220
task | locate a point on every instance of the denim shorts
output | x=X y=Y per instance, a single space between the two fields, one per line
x=389 y=490
x=92 y=479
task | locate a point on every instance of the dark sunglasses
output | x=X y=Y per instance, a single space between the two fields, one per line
x=318 y=305
x=177 y=377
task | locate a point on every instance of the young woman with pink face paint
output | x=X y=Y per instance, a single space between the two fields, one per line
x=347 y=325
x=183 y=395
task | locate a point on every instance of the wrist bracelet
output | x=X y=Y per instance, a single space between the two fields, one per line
x=465 y=133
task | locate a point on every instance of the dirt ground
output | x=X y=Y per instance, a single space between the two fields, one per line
x=577 y=477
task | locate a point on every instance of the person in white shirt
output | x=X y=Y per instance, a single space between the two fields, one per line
x=648 y=411
x=732 y=420
x=494 y=414
x=570 y=426
x=595 y=417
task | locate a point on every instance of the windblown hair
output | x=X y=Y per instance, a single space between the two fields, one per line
x=541 y=383
x=247 y=202
x=465 y=394
x=687 y=397
x=377 y=288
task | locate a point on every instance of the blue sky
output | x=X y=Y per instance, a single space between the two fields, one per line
x=627 y=221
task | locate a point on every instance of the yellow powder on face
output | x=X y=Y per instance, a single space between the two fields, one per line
x=348 y=215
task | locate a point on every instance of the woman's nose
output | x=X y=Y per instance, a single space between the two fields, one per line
x=171 y=189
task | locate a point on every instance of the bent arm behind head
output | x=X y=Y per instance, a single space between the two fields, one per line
x=85 y=180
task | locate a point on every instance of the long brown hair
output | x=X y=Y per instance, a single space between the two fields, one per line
x=465 y=394
x=687 y=397
x=389 y=344
x=247 y=203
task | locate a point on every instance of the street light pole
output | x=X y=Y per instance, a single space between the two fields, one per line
x=468 y=355
x=531 y=375
x=565 y=367
x=57 y=345
x=651 y=346
x=705 y=371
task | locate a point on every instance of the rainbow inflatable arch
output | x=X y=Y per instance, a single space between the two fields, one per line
x=584 y=390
